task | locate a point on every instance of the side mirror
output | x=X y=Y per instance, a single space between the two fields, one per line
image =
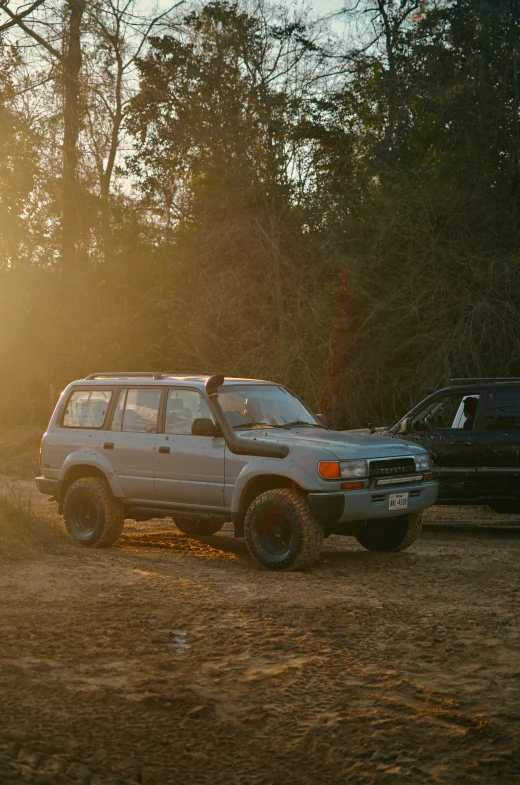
x=203 y=426
x=321 y=419
x=405 y=426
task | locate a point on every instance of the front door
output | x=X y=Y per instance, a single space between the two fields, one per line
x=189 y=470
x=452 y=440
x=499 y=472
x=129 y=444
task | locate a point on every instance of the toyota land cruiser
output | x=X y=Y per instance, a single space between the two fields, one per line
x=206 y=450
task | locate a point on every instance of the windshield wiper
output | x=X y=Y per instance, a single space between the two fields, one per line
x=304 y=423
x=261 y=424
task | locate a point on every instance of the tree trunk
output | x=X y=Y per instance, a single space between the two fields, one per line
x=70 y=226
x=106 y=178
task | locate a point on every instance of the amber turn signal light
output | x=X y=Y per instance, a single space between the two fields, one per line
x=352 y=485
x=330 y=470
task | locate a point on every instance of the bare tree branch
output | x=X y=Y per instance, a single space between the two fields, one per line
x=16 y=18
x=149 y=29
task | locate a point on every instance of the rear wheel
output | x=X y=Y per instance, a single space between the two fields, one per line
x=93 y=516
x=197 y=528
x=506 y=507
x=281 y=531
x=391 y=534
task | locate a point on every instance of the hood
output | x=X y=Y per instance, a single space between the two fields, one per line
x=343 y=444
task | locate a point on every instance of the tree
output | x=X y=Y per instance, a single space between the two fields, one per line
x=66 y=52
x=427 y=228
x=220 y=165
x=117 y=34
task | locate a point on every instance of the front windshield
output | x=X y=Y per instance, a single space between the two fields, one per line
x=250 y=406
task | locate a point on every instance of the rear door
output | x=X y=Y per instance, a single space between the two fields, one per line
x=189 y=470
x=129 y=444
x=499 y=472
x=438 y=425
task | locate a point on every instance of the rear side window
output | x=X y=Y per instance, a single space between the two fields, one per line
x=86 y=409
x=503 y=411
x=137 y=410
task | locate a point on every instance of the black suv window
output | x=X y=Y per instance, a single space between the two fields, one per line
x=446 y=412
x=502 y=410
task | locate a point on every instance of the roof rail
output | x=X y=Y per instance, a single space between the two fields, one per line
x=125 y=375
x=484 y=380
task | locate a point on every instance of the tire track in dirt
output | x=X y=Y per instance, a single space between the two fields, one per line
x=366 y=668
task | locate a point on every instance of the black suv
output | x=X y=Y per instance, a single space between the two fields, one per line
x=476 y=458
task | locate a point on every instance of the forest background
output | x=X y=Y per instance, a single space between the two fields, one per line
x=247 y=188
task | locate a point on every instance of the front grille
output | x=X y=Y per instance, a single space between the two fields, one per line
x=391 y=467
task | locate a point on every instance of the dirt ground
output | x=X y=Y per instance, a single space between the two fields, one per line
x=169 y=660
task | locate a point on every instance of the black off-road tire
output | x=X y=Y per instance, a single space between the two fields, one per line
x=391 y=534
x=93 y=516
x=506 y=507
x=200 y=528
x=281 y=532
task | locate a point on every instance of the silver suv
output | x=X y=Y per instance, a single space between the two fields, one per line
x=206 y=450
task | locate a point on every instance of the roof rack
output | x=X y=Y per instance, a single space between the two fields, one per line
x=484 y=380
x=125 y=375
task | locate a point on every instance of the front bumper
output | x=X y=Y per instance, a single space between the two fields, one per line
x=370 y=503
x=48 y=487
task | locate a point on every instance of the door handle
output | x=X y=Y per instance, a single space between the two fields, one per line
x=108 y=446
x=164 y=450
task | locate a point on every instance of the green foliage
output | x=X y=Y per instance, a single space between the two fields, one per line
x=355 y=237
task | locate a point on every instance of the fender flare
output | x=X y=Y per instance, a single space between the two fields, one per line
x=97 y=461
x=250 y=472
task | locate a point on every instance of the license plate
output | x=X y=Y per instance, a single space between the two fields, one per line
x=398 y=501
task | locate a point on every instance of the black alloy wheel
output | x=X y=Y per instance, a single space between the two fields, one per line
x=93 y=516
x=84 y=515
x=275 y=533
x=281 y=531
x=390 y=534
x=197 y=528
x=506 y=506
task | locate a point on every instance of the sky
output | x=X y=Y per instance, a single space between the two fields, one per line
x=327 y=6
x=322 y=7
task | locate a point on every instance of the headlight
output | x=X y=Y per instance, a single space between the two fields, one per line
x=339 y=470
x=422 y=463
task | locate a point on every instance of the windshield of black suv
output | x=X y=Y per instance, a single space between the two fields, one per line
x=264 y=405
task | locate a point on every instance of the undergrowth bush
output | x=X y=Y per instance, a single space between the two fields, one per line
x=25 y=532
x=19 y=446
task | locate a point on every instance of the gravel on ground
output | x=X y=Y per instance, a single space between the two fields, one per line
x=169 y=660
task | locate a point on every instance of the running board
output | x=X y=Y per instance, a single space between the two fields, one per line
x=142 y=513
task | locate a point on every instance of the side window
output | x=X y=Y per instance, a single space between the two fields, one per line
x=182 y=407
x=502 y=410
x=451 y=412
x=137 y=410
x=86 y=409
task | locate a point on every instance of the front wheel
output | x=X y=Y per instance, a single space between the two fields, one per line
x=391 y=534
x=506 y=506
x=281 y=531
x=197 y=528
x=93 y=516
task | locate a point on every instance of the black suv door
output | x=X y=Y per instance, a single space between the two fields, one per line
x=439 y=424
x=499 y=471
